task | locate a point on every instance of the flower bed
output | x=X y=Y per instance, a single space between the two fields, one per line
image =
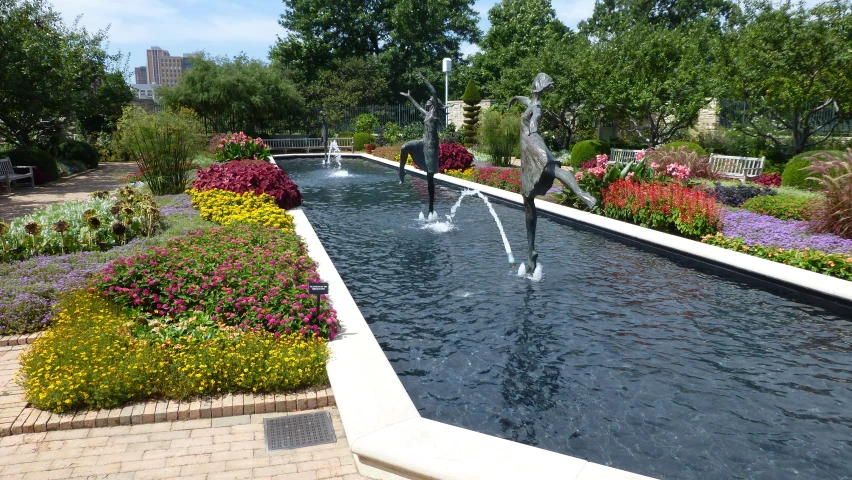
x=225 y=208
x=832 y=264
x=249 y=176
x=99 y=223
x=662 y=206
x=254 y=278
x=89 y=360
x=503 y=178
x=756 y=229
x=30 y=288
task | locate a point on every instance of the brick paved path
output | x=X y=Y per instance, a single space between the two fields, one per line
x=23 y=200
x=207 y=449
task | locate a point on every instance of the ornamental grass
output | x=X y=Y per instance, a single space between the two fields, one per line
x=90 y=359
x=225 y=207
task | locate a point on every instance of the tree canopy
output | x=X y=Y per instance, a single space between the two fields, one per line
x=793 y=69
x=232 y=94
x=48 y=70
x=402 y=35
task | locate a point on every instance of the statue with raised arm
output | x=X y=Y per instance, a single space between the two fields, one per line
x=324 y=137
x=538 y=167
x=424 y=152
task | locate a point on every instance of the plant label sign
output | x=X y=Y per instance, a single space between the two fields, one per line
x=318 y=288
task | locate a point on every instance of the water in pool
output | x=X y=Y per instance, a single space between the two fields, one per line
x=618 y=356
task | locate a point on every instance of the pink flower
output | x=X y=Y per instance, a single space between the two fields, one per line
x=640 y=155
x=630 y=176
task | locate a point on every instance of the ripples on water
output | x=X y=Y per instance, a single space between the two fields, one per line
x=619 y=356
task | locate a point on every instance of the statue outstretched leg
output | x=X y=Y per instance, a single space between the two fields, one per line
x=430 y=181
x=569 y=181
x=532 y=218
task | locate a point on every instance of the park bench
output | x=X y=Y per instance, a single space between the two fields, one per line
x=622 y=156
x=741 y=168
x=287 y=145
x=8 y=174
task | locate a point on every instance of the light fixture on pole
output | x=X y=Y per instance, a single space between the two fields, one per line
x=446 y=66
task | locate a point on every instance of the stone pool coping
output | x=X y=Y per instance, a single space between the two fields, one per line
x=386 y=432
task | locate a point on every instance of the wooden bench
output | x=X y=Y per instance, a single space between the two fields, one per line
x=8 y=174
x=287 y=145
x=741 y=168
x=622 y=156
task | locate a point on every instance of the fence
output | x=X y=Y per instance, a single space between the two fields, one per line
x=732 y=112
x=342 y=119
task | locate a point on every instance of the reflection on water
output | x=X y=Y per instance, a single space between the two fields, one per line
x=618 y=356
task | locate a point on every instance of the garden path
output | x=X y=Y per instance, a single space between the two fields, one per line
x=204 y=449
x=24 y=200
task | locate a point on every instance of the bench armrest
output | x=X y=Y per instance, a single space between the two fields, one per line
x=23 y=166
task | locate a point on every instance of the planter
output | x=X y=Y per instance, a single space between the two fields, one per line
x=369 y=147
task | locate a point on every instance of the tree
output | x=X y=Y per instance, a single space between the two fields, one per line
x=47 y=69
x=612 y=17
x=792 y=68
x=243 y=94
x=103 y=106
x=653 y=78
x=520 y=29
x=471 y=99
x=350 y=82
x=403 y=35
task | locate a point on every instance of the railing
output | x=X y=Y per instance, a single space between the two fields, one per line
x=307 y=144
x=343 y=118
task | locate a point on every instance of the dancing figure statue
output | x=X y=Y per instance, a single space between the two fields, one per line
x=324 y=137
x=424 y=152
x=538 y=167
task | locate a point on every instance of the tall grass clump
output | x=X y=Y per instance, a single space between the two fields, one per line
x=163 y=145
x=834 y=212
x=499 y=134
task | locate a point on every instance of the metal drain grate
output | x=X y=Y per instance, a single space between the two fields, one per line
x=296 y=431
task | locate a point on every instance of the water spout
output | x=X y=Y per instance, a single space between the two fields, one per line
x=334 y=152
x=452 y=214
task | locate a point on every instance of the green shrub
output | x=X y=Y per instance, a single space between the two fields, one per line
x=783 y=207
x=587 y=150
x=366 y=123
x=75 y=151
x=795 y=173
x=471 y=99
x=412 y=131
x=688 y=146
x=392 y=133
x=362 y=139
x=499 y=136
x=47 y=169
x=163 y=145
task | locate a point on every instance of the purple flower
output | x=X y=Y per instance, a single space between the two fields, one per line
x=755 y=228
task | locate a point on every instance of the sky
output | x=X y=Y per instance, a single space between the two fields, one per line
x=219 y=27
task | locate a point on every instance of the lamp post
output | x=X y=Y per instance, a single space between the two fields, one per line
x=446 y=66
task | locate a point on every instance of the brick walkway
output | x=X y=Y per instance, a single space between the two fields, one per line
x=24 y=200
x=207 y=449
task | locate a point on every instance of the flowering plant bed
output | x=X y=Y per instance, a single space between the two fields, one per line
x=256 y=177
x=254 y=278
x=237 y=146
x=29 y=288
x=89 y=359
x=99 y=223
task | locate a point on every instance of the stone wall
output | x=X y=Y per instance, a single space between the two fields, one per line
x=457 y=110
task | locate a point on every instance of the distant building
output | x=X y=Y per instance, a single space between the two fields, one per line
x=170 y=70
x=154 y=55
x=143 y=91
x=141 y=75
x=188 y=58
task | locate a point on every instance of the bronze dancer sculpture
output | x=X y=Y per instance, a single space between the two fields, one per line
x=538 y=167
x=324 y=137
x=424 y=152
